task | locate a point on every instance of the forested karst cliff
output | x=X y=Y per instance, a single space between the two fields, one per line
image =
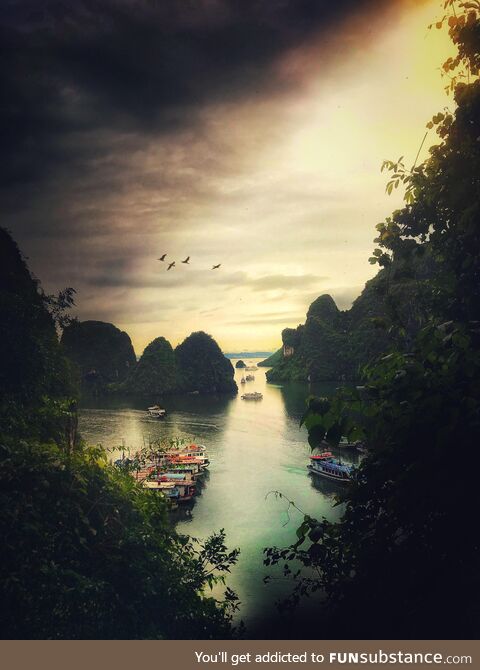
x=156 y=371
x=105 y=361
x=103 y=353
x=202 y=366
x=32 y=364
x=334 y=345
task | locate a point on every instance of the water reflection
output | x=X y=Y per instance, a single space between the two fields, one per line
x=255 y=447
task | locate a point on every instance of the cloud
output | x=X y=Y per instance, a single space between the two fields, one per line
x=140 y=66
x=285 y=282
x=266 y=320
x=209 y=128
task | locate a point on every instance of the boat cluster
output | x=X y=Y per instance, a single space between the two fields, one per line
x=174 y=472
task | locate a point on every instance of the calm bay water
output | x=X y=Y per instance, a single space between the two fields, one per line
x=255 y=447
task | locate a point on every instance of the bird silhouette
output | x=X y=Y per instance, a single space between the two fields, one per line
x=172 y=264
x=186 y=260
x=162 y=258
x=215 y=267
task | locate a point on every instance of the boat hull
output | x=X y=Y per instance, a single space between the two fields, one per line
x=328 y=475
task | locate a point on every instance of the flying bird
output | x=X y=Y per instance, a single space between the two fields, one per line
x=162 y=258
x=186 y=260
x=215 y=267
x=172 y=264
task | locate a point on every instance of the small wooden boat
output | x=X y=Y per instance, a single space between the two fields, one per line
x=242 y=380
x=157 y=412
x=325 y=465
x=252 y=396
x=250 y=378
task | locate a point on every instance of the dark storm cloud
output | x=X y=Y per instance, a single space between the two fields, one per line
x=70 y=68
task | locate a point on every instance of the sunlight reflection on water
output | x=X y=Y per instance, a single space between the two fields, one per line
x=255 y=447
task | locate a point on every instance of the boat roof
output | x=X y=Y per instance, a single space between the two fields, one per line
x=322 y=457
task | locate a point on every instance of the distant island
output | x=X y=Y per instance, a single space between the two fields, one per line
x=249 y=354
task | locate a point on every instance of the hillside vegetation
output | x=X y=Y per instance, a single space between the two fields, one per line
x=335 y=345
x=102 y=353
x=86 y=552
x=402 y=562
x=105 y=363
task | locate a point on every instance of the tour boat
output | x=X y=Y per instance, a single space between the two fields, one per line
x=156 y=411
x=192 y=470
x=325 y=465
x=250 y=378
x=252 y=396
x=185 y=489
x=169 y=489
x=193 y=450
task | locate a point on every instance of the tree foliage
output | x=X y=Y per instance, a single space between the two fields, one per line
x=156 y=371
x=203 y=367
x=403 y=560
x=86 y=552
x=102 y=353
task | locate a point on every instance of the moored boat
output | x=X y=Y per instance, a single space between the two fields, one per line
x=173 y=487
x=325 y=465
x=252 y=396
x=197 y=451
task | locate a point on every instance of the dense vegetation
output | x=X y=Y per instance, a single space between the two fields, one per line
x=86 y=552
x=335 y=345
x=202 y=367
x=403 y=561
x=240 y=364
x=197 y=365
x=105 y=363
x=272 y=360
x=102 y=353
x=156 y=371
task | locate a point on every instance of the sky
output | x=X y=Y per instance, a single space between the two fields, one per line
x=248 y=133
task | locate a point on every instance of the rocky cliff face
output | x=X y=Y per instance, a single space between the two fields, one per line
x=103 y=353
